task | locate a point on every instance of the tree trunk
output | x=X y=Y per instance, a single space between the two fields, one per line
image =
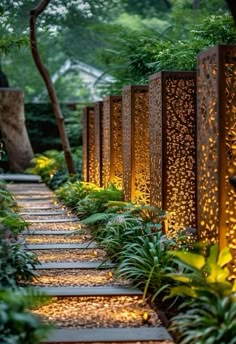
x=196 y=4
x=232 y=7
x=14 y=133
x=48 y=82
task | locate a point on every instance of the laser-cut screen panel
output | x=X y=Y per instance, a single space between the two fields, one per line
x=230 y=149
x=99 y=145
x=173 y=145
x=216 y=146
x=116 y=171
x=106 y=161
x=141 y=146
x=85 y=144
x=127 y=142
x=208 y=141
x=89 y=126
x=180 y=152
x=135 y=126
x=155 y=106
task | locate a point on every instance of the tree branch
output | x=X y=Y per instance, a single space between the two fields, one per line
x=34 y=13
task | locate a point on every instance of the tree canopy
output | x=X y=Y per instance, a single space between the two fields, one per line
x=126 y=39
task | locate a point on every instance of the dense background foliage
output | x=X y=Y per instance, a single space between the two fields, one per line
x=126 y=39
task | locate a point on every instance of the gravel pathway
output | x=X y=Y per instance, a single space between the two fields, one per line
x=79 y=312
x=95 y=312
x=74 y=277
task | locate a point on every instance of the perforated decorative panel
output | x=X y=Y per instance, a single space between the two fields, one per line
x=88 y=145
x=216 y=124
x=112 y=170
x=135 y=127
x=172 y=99
x=99 y=144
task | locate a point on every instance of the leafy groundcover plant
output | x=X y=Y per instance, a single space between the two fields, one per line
x=208 y=312
x=16 y=264
x=17 y=324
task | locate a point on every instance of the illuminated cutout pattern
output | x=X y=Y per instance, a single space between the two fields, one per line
x=136 y=144
x=208 y=140
x=173 y=146
x=217 y=146
x=155 y=96
x=85 y=145
x=99 y=145
x=230 y=126
x=88 y=145
x=116 y=175
x=106 y=161
x=112 y=133
x=127 y=142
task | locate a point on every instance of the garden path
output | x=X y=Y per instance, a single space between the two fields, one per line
x=89 y=304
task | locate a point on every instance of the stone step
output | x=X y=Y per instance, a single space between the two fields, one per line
x=82 y=246
x=55 y=220
x=76 y=265
x=44 y=208
x=38 y=201
x=16 y=178
x=108 y=335
x=27 y=199
x=49 y=213
x=47 y=232
x=89 y=291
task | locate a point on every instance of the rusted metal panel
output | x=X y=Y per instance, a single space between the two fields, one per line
x=99 y=145
x=112 y=170
x=216 y=123
x=135 y=127
x=88 y=144
x=172 y=101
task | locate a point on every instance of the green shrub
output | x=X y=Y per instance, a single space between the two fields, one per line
x=72 y=192
x=208 y=313
x=17 y=324
x=16 y=264
x=12 y=222
x=97 y=201
x=52 y=168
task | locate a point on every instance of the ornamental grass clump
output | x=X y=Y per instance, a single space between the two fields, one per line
x=208 y=312
x=146 y=263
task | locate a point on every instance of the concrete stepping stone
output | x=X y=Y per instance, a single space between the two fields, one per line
x=30 y=199
x=107 y=335
x=76 y=265
x=81 y=246
x=55 y=220
x=47 y=232
x=49 y=213
x=90 y=291
x=26 y=178
x=43 y=208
